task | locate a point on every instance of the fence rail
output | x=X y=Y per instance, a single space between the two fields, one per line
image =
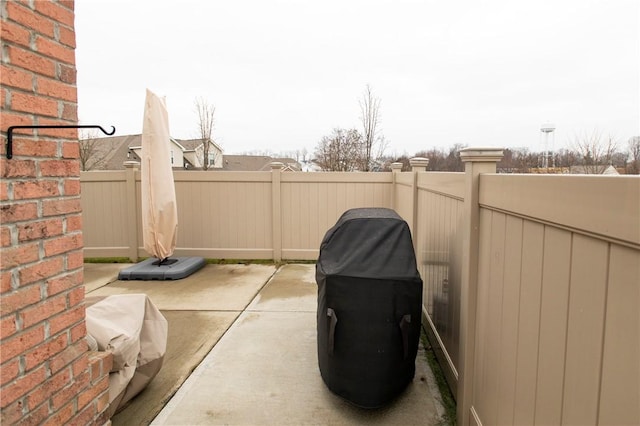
x=531 y=282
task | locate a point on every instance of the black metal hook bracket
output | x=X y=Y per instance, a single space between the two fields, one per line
x=11 y=128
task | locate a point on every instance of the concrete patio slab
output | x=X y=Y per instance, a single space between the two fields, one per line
x=97 y=275
x=213 y=288
x=264 y=371
x=293 y=288
x=254 y=328
x=191 y=336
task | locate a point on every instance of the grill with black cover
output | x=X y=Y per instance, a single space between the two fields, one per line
x=369 y=307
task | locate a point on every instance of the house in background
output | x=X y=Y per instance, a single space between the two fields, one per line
x=111 y=153
x=246 y=163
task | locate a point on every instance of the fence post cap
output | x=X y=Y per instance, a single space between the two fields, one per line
x=276 y=165
x=131 y=164
x=396 y=167
x=481 y=154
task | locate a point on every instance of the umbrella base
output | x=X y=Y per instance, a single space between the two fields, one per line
x=146 y=270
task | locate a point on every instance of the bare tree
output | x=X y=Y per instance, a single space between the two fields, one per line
x=594 y=150
x=340 y=152
x=373 y=142
x=206 y=113
x=633 y=167
x=92 y=153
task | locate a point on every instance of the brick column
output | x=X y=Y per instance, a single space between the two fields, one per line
x=44 y=363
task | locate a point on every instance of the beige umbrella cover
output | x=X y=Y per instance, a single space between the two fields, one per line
x=159 y=211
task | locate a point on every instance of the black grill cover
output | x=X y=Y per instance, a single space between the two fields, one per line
x=369 y=307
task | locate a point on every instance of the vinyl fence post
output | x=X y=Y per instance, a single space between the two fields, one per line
x=476 y=162
x=395 y=169
x=276 y=210
x=418 y=164
x=132 y=209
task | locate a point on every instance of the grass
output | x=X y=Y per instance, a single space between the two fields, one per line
x=209 y=261
x=107 y=260
x=448 y=402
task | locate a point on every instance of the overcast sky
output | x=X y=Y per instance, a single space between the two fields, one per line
x=282 y=74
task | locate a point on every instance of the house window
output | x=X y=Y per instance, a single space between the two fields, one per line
x=171 y=156
x=212 y=158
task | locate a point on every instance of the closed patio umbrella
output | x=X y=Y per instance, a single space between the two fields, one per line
x=159 y=211
x=159 y=207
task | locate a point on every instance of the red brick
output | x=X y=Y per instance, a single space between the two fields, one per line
x=56 y=12
x=21 y=119
x=60 y=168
x=41 y=270
x=4 y=191
x=19 y=299
x=45 y=351
x=28 y=18
x=72 y=187
x=74 y=223
x=5 y=281
x=70 y=392
x=35 y=147
x=14 y=33
x=50 y=386
x=9 y=371
x=18 y=255
x=86 y=415
x=43 y=311
x=79 y=332
x=36 y=416
x=71 y=150
x=69 y=4
x=11 y=414
x=92 y=392
x=70 y=112
x=102 y=402
x=75 y=260
x=67 y=74
x=7 y=326
x=31 y=61
x=67 y=319
x=39 y=230
x=56 y=89
x=101 y=364
x=55 y=50
x=17 y=78
x=76 y=296
x=81 y=365
x=18 y=212
x=62 y=244
x=69 y=357
x=64 y=283
x=71 y=134
x=61 y=207
x=35 y=104
x=22 y=385
x=17 y=168
x=5 y=236
x=35 y=189
x=22 y=342
x=61 y=417
x=67 y=36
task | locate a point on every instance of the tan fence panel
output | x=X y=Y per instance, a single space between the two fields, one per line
x=104 y=213
x=313 y=202
x=224 y=214
x=438 y=251
x=557 y=326
x=620 y=386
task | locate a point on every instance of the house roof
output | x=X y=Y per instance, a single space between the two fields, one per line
x=245 y=163
x=192 y=144
x=113 y=151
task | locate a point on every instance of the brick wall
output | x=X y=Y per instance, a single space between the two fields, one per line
x=46 y=373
